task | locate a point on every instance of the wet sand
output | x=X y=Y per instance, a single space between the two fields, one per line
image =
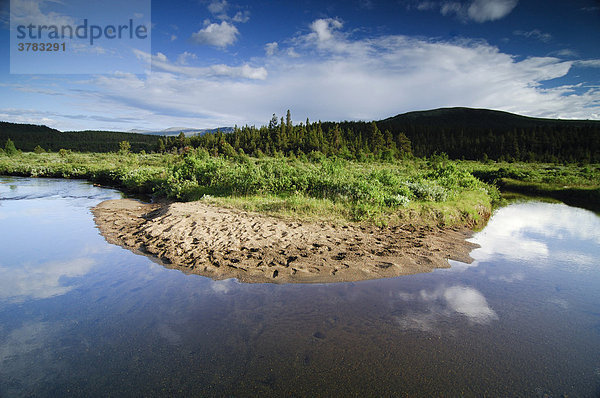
x=223 y=243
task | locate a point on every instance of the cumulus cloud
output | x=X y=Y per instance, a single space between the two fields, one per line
x=218 y=35
x=327 y=74
x=323 y=28
x=219 y=10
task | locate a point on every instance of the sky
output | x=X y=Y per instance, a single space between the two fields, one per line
x=211 y=63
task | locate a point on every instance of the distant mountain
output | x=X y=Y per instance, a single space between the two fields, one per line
x=187 y=131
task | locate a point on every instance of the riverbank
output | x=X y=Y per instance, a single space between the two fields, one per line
x=355 y=220
x=223 y=243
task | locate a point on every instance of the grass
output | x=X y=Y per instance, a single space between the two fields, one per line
x=573 y=184
x=417 y=191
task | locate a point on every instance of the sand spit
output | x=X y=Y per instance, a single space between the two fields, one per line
x=224 y=243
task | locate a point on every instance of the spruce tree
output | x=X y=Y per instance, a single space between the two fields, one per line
x=9 y=148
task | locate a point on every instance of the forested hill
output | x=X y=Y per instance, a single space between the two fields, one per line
x=477 y=134
x=482 y=133
x=27 y=136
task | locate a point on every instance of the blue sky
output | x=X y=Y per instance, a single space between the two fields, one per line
x=224 y=62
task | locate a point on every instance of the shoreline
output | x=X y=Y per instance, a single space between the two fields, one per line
x=222 y=243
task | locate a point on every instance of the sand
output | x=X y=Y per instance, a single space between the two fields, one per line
x=223 y=243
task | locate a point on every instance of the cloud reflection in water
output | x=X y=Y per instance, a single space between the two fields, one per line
x=438 y=306
x=41 y=281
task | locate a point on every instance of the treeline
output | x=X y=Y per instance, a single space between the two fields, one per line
x=27 y=137
x=282 y=137
x=461 y=133
x=480 y=134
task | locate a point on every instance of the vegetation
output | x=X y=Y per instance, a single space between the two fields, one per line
x=462 y=133
x=352 y=171
x=481 y=134
x=575 y=184
x=27 y=137
x=9 y=148
x=436 y=192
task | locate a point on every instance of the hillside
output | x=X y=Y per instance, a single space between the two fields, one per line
x=483 y=133
x=477 y=119
x=462 y=133
x=27 y=136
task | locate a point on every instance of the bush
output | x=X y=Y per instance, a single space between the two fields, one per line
x=63 y=153
x=124 y=147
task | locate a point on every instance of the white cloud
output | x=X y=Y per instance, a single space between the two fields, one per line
x=590 y=63
x=184 y=57
x=426 y=5
x=292 y=53
x=218 y=8
x=241 y=16
x=453 y=8
x=475 y=10
x=160 y=63
x=271 y=48
x=323 y=28
x=534 y=34
x=219 y=35
x=565 y=52
x=490 y=10
x=30 y=12
x=326 y=74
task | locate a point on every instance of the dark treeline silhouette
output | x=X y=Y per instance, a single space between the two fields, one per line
x=461 y=133
x=27 y=136
x=282 y=137
x=480 y=134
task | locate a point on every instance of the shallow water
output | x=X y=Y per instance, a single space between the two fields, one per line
x=81 y=317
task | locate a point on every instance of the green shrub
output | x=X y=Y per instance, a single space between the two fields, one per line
x=9 y=148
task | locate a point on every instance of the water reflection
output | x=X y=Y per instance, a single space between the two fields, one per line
x=436 y=307
x=40 y=281
x=540 y=234
x=81 y=317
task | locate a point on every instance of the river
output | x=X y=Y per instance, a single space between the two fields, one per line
x=81 y=317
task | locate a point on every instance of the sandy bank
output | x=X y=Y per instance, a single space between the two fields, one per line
x=223 y=243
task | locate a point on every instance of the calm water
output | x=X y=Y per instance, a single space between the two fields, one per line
x=81 y=317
